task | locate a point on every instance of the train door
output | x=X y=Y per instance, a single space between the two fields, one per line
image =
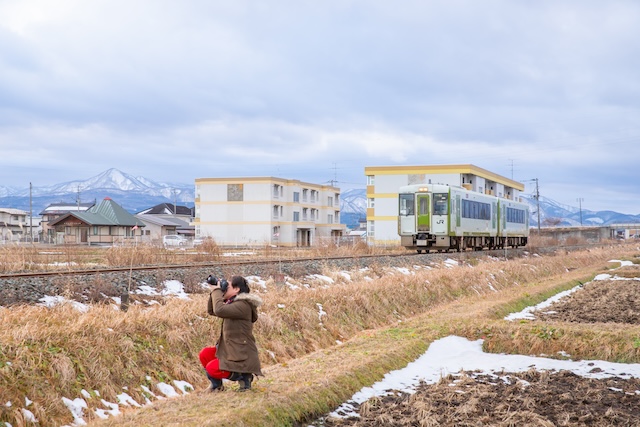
x=406 y=215
x=502 y=225
x=440 y=213
x=424 y=223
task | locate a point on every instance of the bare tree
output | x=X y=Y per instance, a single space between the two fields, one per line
x=552 y=222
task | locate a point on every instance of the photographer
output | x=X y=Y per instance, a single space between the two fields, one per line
x=235 y=356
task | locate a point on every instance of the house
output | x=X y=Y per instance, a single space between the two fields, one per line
x=384 y=182
x=266 y=210
x=157 y=226
x=55 y=211
x=13 y=225
x=170 y=210
x=104 y=223
x=166 y=219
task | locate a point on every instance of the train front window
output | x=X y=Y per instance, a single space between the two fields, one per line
x=440 y=203
x=406 y=204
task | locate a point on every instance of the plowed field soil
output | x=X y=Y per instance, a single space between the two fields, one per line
x=532 y=398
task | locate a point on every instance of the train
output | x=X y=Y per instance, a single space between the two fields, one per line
x=444 y=217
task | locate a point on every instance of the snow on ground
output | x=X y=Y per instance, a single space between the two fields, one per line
x=452 y=354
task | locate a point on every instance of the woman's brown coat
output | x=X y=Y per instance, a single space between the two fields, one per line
x=237 y=348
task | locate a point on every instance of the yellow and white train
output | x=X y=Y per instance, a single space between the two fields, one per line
x=442 y=217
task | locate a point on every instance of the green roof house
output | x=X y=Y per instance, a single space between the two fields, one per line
x=105 y=223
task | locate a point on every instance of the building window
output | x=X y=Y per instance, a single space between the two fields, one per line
x=371 y=202
x=313 y=196
x=329 y=219
x=329 y=201
x=296 y=196
x=305 y=213
x=371 y=179
x=235 y=192
x=276 y=212
x=95 y=230
x=277 y=190
x=305 y=194
x=296 y=216
x=337 y=217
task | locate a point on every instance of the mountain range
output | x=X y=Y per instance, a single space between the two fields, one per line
x=138 y=193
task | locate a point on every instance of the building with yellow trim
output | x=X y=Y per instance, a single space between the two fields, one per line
x=384 y=182
x=254 y=211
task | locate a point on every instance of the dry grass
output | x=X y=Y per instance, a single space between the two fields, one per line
x=49 y=353
x=22 y=258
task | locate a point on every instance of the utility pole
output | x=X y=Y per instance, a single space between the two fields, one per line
x=580 y=200
x=538 y=204
x=334 y=181
x=537 y=197
x=31 y=212
x=175 y=202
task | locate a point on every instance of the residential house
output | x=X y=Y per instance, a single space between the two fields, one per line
x=55 y=211
x=13 y=225
x=170 y=210
x=157 y=226
x=105 y=223
x=167 y=218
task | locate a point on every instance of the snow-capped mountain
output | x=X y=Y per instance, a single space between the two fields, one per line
x=132 y=193
x=138 y=193
x=115 y=180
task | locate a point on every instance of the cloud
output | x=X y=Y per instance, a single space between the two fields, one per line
x=317 y=91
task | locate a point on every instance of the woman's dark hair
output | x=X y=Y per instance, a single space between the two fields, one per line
x=240 y=282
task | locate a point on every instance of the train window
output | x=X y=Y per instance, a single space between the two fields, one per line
x=423 y=205
x=406 y=204
x=440 y=203
x=476 y=210
x=515 y=215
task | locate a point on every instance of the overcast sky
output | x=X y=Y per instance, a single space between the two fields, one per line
x=317 y=90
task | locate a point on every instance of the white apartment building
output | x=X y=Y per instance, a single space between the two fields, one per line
x=254 y=211
x=384 y=182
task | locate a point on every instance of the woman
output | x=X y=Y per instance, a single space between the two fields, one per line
x=235 y=356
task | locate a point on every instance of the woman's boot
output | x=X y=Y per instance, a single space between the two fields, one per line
x=245 y=382
x=216 y=384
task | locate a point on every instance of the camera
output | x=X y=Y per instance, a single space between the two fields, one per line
x=224 y=285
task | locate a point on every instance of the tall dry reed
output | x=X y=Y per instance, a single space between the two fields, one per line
x=48 y=353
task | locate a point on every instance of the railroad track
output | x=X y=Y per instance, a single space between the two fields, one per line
x=239 y=262
x=30 y=286
x=248 y=262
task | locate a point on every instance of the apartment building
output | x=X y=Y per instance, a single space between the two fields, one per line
x=384 y=182
x=254 y=211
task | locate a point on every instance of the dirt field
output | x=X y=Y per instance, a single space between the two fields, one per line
x=530 y=398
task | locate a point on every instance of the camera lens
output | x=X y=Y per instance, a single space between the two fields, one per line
x=224 y=285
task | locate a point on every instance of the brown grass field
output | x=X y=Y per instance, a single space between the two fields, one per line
x=377 y=321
